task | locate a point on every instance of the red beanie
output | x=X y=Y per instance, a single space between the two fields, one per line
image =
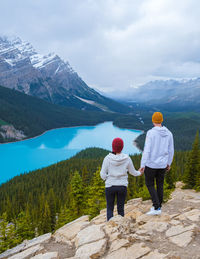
x=117 y=145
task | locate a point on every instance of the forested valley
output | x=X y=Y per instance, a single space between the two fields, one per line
x=44 y=200
x=34 y=116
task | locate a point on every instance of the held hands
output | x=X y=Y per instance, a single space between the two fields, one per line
x=141 y=170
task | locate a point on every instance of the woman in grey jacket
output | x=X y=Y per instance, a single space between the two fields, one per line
x=114 y=172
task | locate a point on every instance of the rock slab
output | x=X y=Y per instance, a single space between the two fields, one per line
x=70 y=230
x=92 y=250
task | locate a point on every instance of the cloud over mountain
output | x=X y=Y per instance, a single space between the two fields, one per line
x=115 y=43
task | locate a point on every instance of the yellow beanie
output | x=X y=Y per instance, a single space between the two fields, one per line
x=157 y=117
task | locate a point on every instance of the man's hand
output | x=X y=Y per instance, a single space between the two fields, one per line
x=141 y=170
x=168 y=168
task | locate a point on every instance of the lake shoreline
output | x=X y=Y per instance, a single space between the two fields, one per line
x=60 y=144
x=16 y=141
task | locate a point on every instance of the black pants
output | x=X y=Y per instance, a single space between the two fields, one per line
x=119 y=191
x=156 y=194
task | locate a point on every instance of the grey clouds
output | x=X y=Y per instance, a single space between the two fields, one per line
x=112 y=44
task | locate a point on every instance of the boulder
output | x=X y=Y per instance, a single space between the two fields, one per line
x=99 y=219
x=152 y=218
x=151 y=227
x=89 y=234
x=135 y=237
x=135 y=201
x=103 y=211
x=26 y=244
x=133 y=214
x=121 y=224
x=28 y=253
x=133 y=252
x=118 y=227
x=117 y=244
x=13 y=251
x=183 y=239
x=112 y=233
x=38 y=240
x=179 y=229
x=92 y=250
x=50 y=255
x=70 y=230
x=180 y=235
x=193 y=215
x=155 y=255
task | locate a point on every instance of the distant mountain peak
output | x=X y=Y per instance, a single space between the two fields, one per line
x=47 y=77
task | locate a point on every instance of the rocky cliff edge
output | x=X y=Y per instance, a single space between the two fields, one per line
x=175 y=234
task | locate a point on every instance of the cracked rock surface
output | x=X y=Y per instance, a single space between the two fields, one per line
x=175 y=234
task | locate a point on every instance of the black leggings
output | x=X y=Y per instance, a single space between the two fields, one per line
x=117 y=190
x=156 y=194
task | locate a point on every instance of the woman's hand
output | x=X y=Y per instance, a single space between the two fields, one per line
x=141 y=170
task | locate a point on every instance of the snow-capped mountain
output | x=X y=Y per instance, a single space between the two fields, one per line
x=47 y=77
x=185 y=92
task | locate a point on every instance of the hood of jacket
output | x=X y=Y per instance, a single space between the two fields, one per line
x=163 y=131
x=118 y=159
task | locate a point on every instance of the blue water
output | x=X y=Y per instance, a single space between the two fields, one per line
x=59 y=144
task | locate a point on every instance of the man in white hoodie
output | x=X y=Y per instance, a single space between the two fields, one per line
x=114 y=172
x=156 y=160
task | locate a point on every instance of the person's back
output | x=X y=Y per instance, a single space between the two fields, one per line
x=159 y=148
x=114 y=172
x=117 y=167
x=156 y=160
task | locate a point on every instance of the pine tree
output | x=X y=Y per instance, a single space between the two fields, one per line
x=85 y=176
x=8 y=234
x=63 y=217
x=41 y=208
x=170 y=176
x=96 y=200
x=193 y=165
x=132 y=187
x=51 y=199
x=197 y=185
x=3 y=227
x=44 y=218
x=45 y=226
x=76 y=195
x=9 y=210
x=24 y=226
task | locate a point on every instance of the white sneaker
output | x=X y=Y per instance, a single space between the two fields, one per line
x=154 y=212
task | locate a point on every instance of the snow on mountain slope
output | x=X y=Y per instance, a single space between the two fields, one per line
x=47 y=77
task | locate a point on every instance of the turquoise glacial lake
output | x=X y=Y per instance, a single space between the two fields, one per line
x=59 y=144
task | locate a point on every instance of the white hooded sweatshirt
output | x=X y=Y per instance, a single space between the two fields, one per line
x=114 y=169
x=159 y=148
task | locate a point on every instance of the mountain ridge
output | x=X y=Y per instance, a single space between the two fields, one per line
x=48 y=77
x=32 y=116
x=167 y=94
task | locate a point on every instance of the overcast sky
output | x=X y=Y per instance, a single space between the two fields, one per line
x=112 y=44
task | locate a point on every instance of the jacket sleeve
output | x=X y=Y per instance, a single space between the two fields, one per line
x=147 y=150
x=104 y=169
x=170 y=150
x=131 y=169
